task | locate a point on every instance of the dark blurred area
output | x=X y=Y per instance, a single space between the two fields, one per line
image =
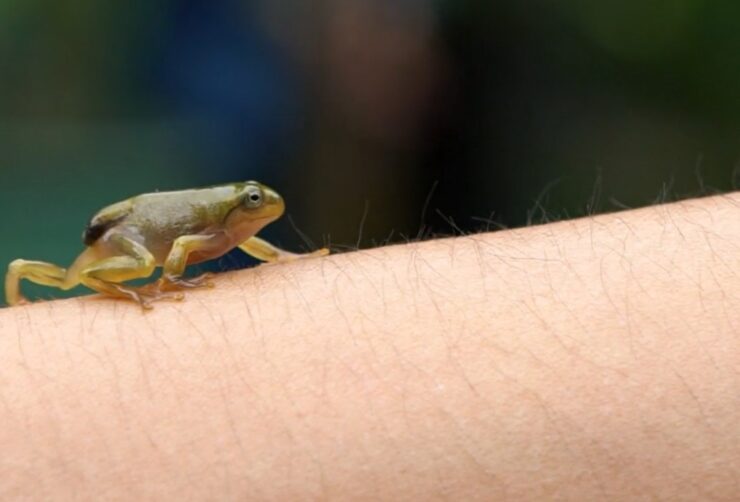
x=378 y=120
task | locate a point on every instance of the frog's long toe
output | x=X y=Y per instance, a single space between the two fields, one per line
x=19 y=300
x=147 y=295
x=176 y=284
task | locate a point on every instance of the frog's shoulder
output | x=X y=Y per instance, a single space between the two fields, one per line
x=105 y=219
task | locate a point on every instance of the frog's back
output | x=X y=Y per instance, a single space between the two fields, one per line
x=167 y=215
x=160 y=217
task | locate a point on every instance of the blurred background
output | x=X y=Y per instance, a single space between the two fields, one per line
x=362 y=113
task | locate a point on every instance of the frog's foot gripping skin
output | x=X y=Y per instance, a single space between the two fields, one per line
x=263 y=250
x=144 y=296
x=172 y=283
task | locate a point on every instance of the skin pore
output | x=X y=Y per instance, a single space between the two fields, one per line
x=594 y=359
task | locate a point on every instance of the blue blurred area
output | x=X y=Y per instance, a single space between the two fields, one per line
x=217 y=66
x=355 y=109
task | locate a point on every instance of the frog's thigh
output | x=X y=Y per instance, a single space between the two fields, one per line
x=39 y=272
x=263 y=250
x=106 y=275
x=177 y=260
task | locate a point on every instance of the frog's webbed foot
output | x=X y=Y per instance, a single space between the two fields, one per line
x=166 y=288
x=174 y=283
x=20 y=300
x=319 y=253
x=146 y=295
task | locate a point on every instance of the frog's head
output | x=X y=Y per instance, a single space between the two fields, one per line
x=256 y=206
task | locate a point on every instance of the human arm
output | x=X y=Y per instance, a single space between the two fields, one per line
x=588 y=359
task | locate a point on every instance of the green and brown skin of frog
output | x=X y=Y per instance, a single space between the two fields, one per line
x=130 y=239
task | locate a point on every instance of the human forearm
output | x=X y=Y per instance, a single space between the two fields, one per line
x=585 y=358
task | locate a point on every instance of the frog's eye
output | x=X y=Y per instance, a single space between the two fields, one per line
x=253 y=198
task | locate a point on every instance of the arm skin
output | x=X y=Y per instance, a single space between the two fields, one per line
x=595 y=359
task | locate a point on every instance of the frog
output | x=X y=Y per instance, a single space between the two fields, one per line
x=129 y=240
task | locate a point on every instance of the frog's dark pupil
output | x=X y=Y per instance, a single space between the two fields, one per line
x=255 y=197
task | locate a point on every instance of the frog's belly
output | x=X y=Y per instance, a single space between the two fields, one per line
x=161 y=254
x=201 y=256
x=159 y=244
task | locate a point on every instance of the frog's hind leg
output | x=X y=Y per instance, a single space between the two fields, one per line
x=134 y=262
x=40 y=272
x=46 y=274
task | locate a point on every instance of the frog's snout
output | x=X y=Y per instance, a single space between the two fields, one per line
x=274 y=201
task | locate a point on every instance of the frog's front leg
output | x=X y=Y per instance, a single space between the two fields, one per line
x=263 y=250
x=177 y=260
x=134 y=262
